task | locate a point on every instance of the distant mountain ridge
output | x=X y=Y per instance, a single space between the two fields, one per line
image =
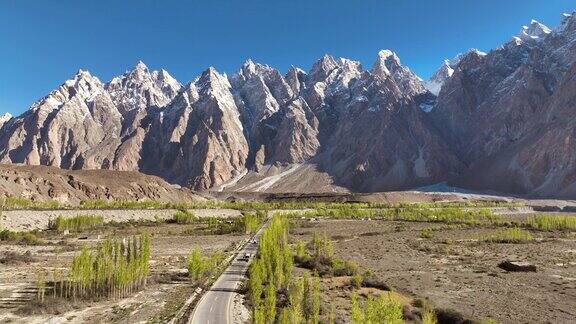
x=499 y=121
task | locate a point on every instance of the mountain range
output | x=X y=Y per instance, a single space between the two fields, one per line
x=501 y=121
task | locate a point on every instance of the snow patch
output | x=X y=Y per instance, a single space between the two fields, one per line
x=426 y=107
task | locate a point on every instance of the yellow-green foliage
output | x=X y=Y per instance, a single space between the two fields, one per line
x=196 y=264
x=552 y=222
x=427 y=233
x=511 y=235
x=200 y=266
x=271 y=270
x=442 y=215
x=429 y=317
x=384 y=309
x=77 y=223
x=253 y=222
x=123 y=204
x=330 y=209
x=40 y=286
x=10 y=203
x=114 y=269
x=488 y=321
x=357 y=280
x=220 y=226
x=318 y=256
x=184 y=217
x=322 y=246
x=300 y=250
x=411 y=213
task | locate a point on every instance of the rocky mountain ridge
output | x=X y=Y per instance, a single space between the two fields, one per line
x=497 y=121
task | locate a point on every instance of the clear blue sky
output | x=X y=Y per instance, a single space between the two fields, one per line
x=43 y=43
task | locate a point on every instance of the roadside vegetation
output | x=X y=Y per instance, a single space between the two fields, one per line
x=271 y=280
x=249 y=223
x=277 y=296
x=203 y=266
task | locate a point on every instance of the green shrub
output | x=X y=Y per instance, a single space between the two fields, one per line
x=512 y=235
x=184 y=217
x=253 y=222
x=551 y=222
x=357 y=280
x=9 y=203
x=429 y=317
x=25 y=238
x=427 y=233
x=77 y=223
x=123 y=204
x=200 y=266
x=384 y=309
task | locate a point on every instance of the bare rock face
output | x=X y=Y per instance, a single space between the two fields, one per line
x=501 y=121
x=509 y=113
x=137 y=94
x=75 y=126
x=139 y=89
x=383 y=140
x=198 y=140
x=281 y=128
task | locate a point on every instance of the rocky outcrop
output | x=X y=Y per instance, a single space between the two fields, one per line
x=509 y=113
x=198 y=140
x=383 y=140
x=76 y=126
x=501 y=121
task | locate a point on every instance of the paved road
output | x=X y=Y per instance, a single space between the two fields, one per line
x=215 y=307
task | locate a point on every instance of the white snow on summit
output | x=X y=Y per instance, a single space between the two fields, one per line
x=437 y=80
x=534 y=32
x=5 y=118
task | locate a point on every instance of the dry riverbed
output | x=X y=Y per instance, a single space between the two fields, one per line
x=29 y=220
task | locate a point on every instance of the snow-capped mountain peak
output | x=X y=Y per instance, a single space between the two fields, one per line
x=141 y=66
x=138 y=88
x=384 y=62
x=388 y=65
x=5 y=118
x=434 y=84
x=322 y=68
x=446 y=70
x=535 y=31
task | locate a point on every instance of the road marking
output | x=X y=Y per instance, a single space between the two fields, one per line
x=211 y=308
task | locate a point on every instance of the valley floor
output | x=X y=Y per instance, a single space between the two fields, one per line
x=167 y=289
x=454 y=268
